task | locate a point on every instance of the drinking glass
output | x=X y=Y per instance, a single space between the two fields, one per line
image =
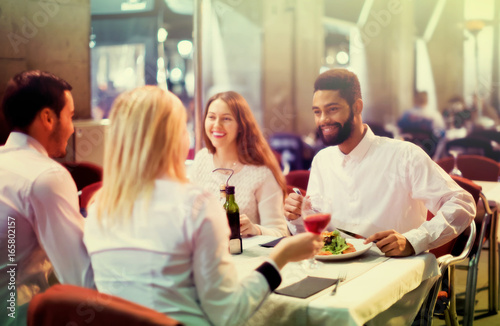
x=316 y=215
x=455 y=170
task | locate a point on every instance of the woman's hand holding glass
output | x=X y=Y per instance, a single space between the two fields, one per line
x=296 y=248
x=316 y=216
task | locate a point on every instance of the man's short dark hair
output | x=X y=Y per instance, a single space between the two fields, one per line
x=342 y=80
x=29 y=92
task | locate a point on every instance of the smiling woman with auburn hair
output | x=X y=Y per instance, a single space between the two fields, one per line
x=234 y=141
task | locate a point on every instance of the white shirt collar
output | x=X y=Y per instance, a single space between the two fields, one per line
x=359 y=152
x=364 y=145
x=19 y=139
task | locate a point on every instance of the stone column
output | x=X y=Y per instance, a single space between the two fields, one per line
x=495 y=73
x=292 y=52
x=388 y=37
x=50 y=35
x=447 y=54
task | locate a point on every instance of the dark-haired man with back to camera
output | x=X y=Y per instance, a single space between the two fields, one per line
x=380 y=188
x=41 y=227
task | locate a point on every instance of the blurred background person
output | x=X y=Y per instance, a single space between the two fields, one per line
x=421 y=118
x=234 y=141
x=456 y=115
x=484 y=115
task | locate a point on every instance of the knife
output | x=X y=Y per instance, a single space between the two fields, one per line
x=352 y=234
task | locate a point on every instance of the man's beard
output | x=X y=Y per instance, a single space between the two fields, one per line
x=344 y=132
x=57 y=138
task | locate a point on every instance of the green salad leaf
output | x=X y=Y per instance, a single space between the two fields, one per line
x=337 y=244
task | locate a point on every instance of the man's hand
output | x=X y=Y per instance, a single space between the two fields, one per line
x=392 y=243
x=293 y=205
x=247 y=227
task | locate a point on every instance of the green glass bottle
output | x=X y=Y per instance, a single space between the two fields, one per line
x=233 y=218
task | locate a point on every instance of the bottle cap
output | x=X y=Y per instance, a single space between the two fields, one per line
x=230 y=190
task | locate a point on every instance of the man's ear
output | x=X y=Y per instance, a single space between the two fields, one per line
x=358 y=106
x=47 y=118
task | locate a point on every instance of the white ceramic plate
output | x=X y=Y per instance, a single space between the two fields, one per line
x=357 y=243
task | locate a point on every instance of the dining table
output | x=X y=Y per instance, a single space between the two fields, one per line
x=491 y=189
x=377 y=290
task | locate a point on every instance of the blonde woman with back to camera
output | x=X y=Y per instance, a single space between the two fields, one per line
x=234 y=141
x=157 y=240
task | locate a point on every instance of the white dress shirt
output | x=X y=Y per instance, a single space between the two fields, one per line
x=39 y=210
x=385 y=184
x=172 y=256
x=257 y=192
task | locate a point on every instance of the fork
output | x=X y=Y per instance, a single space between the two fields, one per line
x=342 y=276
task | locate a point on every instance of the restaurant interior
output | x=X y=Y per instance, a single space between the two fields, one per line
x=271 y=51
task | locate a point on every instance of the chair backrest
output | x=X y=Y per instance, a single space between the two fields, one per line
x=63 y=305
x=444 y=262
x=483 y=222
x=453 y=252
x=457 y=243
x=298 y=178
x=88 y=192
x=84 y=173
x=474 y=167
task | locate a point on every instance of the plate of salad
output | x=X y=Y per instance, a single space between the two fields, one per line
x=336 y=247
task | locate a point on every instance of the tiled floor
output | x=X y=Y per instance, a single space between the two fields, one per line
x=480 y=315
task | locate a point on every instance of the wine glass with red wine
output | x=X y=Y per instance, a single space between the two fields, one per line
x=316 y=215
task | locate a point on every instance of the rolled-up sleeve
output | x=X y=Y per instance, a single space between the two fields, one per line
x=452 y=206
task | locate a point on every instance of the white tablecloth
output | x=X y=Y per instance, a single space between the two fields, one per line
x=491 y=190
x=371 y=293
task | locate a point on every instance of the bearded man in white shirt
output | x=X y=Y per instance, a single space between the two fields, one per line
x=41 y=228
x=380 y=188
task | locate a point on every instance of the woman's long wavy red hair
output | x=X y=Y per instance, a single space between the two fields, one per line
x=252 y=147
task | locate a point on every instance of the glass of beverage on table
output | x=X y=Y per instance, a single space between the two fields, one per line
x=316 y=215
x=455 y=170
